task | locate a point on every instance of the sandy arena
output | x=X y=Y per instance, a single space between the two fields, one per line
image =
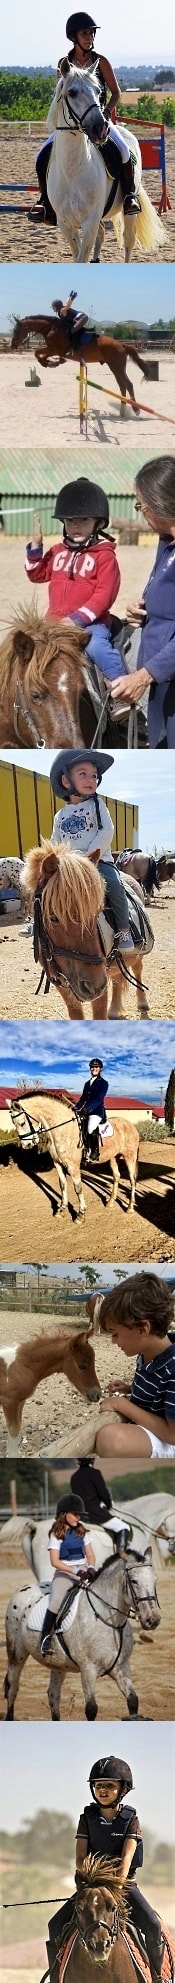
x=19 y=976
x=150 y=1661
x=22 y=241
x=31 y=1228
x=49 y=417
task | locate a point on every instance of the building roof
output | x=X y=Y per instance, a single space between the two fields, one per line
x=37 y=472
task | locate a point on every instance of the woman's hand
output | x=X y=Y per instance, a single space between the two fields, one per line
x=130 y=688
x=136 y=613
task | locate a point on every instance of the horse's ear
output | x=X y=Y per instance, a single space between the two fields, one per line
x=95 y=857
x=148 y=1554
x=23 y=645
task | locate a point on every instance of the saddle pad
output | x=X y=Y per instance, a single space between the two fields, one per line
x=105 y=1130
x=37 y=1614
x=143 y=1962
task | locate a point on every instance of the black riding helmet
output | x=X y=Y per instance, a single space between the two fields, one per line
x=79 y=21
x=82 y=499
x=114 y=1769
x=96 y=1062
x=71 y=1504
x=66 y=760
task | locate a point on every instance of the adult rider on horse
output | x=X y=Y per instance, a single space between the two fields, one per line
x=110 y=1828
x=81 y=31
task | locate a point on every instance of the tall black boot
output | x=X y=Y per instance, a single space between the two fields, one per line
x=46 y=1632
x=130 y=200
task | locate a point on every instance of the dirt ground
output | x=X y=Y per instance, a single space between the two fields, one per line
x=19 y=975
x=32 y=1230
x=20 y=241
x=48 y=417
x=151 y=1660
x=57 y=1412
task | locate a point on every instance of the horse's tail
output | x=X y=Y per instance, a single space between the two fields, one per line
x=149 y=229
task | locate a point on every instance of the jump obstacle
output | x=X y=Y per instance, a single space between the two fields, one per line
x=153 y=153
x=84 y=382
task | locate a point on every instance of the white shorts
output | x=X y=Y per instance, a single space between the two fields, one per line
x=158 y=1449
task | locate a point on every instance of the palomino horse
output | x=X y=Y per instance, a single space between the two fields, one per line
x=97 y=1634
x=67 y=894
x=100 y=350
x=59 y=1117
x=46 y=685
x=27 y=1364
x=78 y=184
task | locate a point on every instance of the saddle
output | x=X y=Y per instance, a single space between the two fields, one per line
x=139 y=924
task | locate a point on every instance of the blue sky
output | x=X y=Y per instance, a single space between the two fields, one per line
x=137 y=1059
x=145 y=780
x=104 y=292
x=46 y=1774
x=32 y=34
x=106 y=1276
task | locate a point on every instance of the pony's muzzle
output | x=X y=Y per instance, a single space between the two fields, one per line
x=93 y=1393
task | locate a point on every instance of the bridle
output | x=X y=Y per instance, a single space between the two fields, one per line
x=131 y=1593
x=78 y=122
x=111 y=1932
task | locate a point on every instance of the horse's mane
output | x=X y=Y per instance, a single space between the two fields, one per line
x=103 y=1872
x=73 y=889
x=51 y=639
x=170 y=1101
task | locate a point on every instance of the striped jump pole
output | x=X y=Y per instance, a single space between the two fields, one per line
x=11 y=187
x=109 y=394
x=83 y=406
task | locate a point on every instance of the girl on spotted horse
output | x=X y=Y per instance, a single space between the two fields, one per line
x=81 y=31
x=110 y=1828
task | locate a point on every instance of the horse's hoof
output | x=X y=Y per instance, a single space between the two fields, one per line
x=91 y=1709
x=132 y=1703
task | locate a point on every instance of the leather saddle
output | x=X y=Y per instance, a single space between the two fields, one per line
x=139 y=924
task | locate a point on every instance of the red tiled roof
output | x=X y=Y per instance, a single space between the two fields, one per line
x=114 y=1101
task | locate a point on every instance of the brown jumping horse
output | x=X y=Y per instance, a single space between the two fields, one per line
x=100 y=350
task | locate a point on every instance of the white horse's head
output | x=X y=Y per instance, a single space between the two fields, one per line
x=78 y=98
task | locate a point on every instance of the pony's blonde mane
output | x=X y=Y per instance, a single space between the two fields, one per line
x=72 y=888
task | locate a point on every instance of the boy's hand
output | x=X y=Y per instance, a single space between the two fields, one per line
x=37 y=533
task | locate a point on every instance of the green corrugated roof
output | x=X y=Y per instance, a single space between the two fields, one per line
x=37 y=473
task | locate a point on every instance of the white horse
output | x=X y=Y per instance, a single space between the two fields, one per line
x=14 y=907
x=97 y=1634
x=77 y=180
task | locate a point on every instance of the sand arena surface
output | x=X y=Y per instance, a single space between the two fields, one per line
x=19 y=975
x=31 y=1228
x=22 y=241
x=49 y=416
x=152 y=1657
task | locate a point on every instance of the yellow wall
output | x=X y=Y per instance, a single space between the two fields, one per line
x=27 y=811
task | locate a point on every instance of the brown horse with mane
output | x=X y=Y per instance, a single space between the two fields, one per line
x=46 y=684
x=98 y=1930
x=37 y=1359
x=99 y=350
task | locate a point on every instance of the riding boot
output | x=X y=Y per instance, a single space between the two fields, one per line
x=94 y=1144
x=48 y=1628
x=130 y=201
